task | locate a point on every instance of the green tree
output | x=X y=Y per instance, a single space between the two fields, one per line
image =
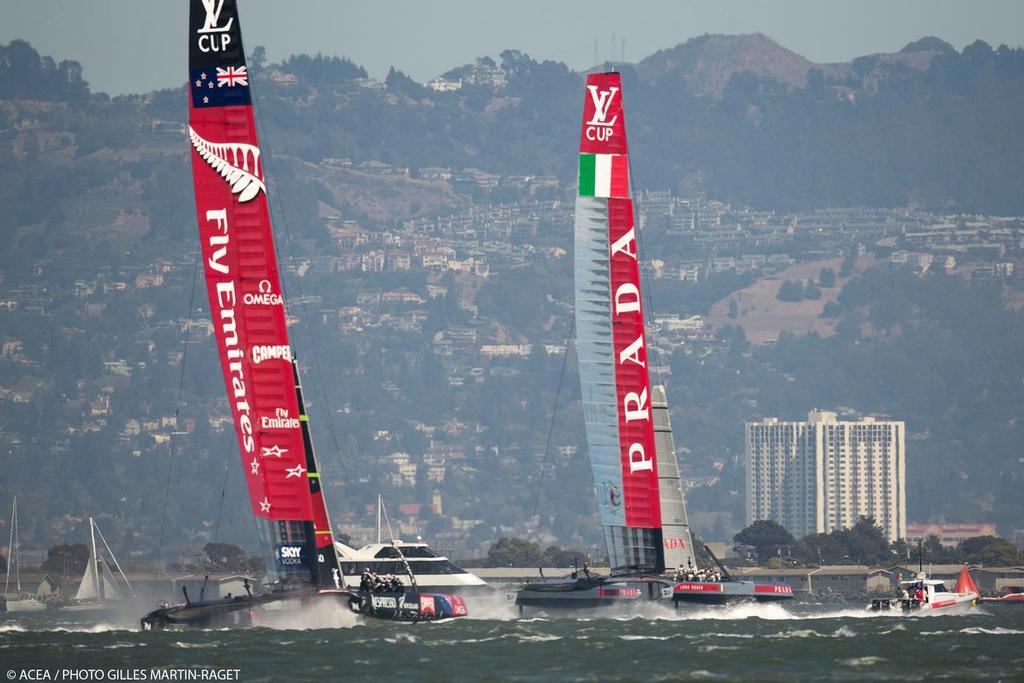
x=765 y=538
x=989 y=550
x=226 y=556
x=827 y=277
x=849 y=261
x=935 y=552
x=865 y=543
x=790 y=290
x=514 y=552
x=66 y=559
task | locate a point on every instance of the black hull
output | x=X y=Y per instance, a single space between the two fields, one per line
x=238 y=612
x=226 y=613
x=408 y=607
x=591 y=593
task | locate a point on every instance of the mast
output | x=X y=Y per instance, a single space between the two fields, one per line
x=380 y=502
x=95 y=561
x=246 y=306
x=10 y=545
x=629 y=438
x=677 y=541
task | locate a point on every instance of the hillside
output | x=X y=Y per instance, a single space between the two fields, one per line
x=418 y=228
x=706 y=64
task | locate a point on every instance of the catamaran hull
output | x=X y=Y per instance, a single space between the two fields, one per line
x=729 y=592
x=243 y=611
x=226 y=613
x=590 y=594
x=409 y=607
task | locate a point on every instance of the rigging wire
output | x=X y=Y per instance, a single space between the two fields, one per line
x=220 y=507
x=177 y=412
x=269 y=172
x=554 y=413
x=645 y=283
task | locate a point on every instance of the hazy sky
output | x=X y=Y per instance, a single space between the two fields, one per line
x=139 y=45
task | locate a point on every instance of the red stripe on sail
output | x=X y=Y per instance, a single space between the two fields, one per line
x=620 y=176
x=632 y=382
x=320 y=522
x=246 y=309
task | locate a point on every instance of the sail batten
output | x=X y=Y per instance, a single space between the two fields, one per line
x=246 y=305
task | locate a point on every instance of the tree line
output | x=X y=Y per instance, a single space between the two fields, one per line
x=769 y=543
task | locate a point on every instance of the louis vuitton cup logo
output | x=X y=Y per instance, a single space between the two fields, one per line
x=214 y=37
x=599 y=127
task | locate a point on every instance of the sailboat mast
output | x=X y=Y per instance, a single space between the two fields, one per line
x=94 y=559
x=17 y=550
x=380 y=502
x=10 y=545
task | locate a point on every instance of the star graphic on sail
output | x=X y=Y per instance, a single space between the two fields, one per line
x=254 y=466
x=264 y=505
x=274 y=450
x=295 y=471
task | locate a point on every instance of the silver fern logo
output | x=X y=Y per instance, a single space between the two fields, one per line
x=236 y=162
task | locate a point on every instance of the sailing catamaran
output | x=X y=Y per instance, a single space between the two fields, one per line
x=259 y=368
x=629 y=437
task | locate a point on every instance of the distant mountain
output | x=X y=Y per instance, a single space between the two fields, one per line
x=706 y=64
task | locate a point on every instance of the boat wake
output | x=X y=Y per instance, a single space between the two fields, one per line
x=322 y=615
x=661 y=612
x=493 y=607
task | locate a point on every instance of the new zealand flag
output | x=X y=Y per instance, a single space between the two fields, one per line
x=219 y=86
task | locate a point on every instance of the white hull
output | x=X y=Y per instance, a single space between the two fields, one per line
x=434 y=573
x=17 y=606
x=929 y=596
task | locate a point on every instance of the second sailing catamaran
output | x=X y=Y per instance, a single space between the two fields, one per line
x=629 y=438
x=260 y=371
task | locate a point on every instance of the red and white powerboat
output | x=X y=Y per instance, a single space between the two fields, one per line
x=924 y=594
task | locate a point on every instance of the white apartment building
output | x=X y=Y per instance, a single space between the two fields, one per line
x=825 y=473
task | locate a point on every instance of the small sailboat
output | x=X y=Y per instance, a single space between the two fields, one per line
x=260 y=371
x=629 y=436
x=99 y=590
x=19 y=600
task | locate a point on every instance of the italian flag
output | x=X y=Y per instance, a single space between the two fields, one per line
x=604 y=175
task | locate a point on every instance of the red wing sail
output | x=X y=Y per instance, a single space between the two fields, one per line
x=603 y=147
x=244 y=289
x=610 y=340
x=241 y=269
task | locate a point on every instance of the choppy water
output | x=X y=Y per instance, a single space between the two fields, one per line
x=745 y=643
